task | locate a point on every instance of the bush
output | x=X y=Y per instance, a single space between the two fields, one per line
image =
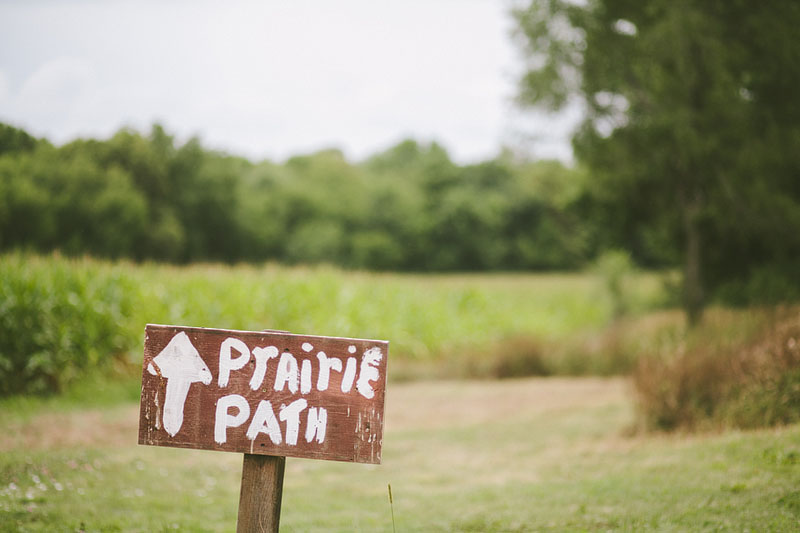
x=754 y=385
x=520 y=357
x=616 y=269
x=58 y=319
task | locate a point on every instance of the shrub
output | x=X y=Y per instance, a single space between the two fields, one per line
x=519 y=356
x=753 y=385
x=511 y=356
x=615 y=268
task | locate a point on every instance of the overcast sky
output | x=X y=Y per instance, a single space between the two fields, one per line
x=273 y=78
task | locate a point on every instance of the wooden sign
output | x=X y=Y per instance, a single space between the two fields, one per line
x=263 y=393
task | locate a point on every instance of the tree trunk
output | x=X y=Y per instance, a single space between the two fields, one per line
x=694 y=298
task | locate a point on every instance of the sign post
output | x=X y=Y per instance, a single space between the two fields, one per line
x=261 y=493
x=267 y=394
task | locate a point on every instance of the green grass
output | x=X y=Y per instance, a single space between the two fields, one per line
x=551 y=454
x=516 y=455
x=98 y=389
x=423 y=315
x=60 y=318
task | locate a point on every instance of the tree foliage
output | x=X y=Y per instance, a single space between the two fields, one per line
x=410 y=207
x=692 y=130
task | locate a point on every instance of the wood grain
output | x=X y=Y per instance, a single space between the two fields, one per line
x=261 y=493
x=354 y=430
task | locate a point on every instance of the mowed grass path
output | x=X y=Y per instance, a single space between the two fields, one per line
x=519 y=455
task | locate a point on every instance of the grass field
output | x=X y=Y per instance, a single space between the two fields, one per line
x=557 y=453
x=518 y=455
x=80 y=314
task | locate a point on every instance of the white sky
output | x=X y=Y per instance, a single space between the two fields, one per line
x=273 y=78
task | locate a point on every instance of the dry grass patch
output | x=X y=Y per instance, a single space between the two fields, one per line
x=750 y=378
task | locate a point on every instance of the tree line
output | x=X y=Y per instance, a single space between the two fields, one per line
x=409 y=208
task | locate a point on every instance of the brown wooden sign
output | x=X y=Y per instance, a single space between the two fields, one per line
x=263 y=393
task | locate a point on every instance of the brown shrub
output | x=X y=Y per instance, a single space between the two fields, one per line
x=518 y=357
x=718 y=385
x=515 y=356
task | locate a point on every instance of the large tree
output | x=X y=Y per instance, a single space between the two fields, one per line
x=692 y=125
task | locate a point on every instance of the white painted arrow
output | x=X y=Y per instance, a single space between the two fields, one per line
x=181 y=365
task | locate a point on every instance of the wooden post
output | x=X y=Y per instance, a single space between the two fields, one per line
x=260 y=495
x=261 y=491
